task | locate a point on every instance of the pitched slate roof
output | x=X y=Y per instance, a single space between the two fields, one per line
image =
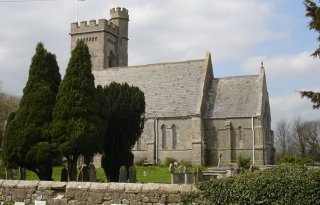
x=171 y=89
x=234 y=97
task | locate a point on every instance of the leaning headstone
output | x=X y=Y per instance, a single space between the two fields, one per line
x=123 y=177
x=92 y=173
x=132 y=175
x=39 y=202
x=64 y=174
x=145 y=173
x=9 y=173
x=22 y=173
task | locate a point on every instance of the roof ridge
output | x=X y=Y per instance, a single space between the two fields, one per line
x=239 y=76
x=153 y=64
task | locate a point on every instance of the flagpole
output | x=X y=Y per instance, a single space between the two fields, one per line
x=77 y=9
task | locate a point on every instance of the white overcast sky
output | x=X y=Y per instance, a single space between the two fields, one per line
x=238 y=33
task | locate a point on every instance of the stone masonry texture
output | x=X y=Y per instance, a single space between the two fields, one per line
x=89 y=193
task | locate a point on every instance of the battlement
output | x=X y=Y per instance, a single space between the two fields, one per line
x=94 y=26
x=119 y=13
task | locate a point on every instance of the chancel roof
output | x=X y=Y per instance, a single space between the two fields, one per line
x=171 y=89
x=234 y=97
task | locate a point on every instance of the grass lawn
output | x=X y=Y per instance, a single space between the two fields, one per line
x=154 y=174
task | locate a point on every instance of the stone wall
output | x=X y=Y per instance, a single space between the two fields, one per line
x=188 y=140
x=88 y=193
x=233 y=137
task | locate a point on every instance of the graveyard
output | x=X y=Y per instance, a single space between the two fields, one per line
x=153 y=174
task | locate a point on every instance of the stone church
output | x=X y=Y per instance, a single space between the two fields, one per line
x=190 y=114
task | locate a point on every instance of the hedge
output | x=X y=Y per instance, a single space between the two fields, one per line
x=284 y=184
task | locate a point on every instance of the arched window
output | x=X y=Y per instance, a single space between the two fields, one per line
x=241 y=134
x=174 y=136
x=164 y=136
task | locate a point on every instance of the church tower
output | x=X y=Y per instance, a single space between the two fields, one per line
x=107 y=40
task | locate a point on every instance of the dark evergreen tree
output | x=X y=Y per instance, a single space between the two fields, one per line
x=313 y=11
x=124 y=113
x=27 y=141
x=77 y=126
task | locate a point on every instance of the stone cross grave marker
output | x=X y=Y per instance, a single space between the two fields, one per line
x=132 y=175
x=92 y=173
x=123 y=177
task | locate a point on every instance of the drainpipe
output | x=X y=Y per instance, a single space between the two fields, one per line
x=155 y=140
x=253 y=141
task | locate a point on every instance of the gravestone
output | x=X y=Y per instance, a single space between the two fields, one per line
x=85 y=172
x=132 y=175
x=19 y=203
x=92 y=173
x=39 y=202
x=64 y=175
x=123 y=177
x=22 y=173
x=9 y=173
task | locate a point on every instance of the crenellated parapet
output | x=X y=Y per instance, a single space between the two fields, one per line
x=119 y=13
x=107 y=40
x=94 y=26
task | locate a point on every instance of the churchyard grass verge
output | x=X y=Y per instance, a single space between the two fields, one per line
x=154 y=174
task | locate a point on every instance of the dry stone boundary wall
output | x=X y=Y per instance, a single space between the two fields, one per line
x=90 y=193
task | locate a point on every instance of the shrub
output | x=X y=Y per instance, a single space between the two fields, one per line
x=294 y=160
x=169 y=160
x=244 y=162
x=140 y=161
x=284 y=184
x=185 y=163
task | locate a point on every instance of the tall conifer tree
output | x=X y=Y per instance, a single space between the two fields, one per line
x=77 y=126
x=123 y=110
x=27 y=141
x=313 y=11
